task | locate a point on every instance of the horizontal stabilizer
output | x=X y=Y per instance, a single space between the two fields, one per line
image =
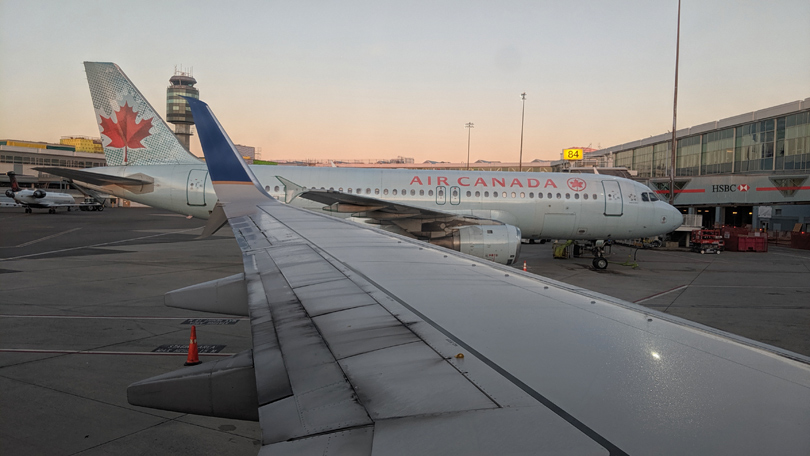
x=97 y=178
x=225 y=389
x=227 y=295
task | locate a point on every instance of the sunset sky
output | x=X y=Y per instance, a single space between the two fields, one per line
x=374 y=80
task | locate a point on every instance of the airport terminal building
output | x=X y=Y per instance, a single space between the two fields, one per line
x=751 y=168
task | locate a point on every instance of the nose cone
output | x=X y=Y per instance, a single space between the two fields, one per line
x=671 y=218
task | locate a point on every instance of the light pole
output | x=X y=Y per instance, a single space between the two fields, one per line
x=522 y=116
x=469 y=126
x=675 y=113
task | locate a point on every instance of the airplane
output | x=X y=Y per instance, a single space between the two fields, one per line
x=41 y=199
x=366 y=342
x=481 y=213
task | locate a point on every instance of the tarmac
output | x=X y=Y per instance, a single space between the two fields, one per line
x=82 y=315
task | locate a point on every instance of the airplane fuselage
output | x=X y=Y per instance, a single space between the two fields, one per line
x=542 y=205
x=51 y=199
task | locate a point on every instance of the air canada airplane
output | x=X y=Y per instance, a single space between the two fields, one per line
x=42 y=199
x=367 y=342
x=481 y=213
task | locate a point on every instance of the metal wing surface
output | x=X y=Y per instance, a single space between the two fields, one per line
x=365 y=342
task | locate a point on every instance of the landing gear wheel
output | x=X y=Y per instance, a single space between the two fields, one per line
x=27 y=210
x=100 y=208
x=52 y=211
x=600 y=263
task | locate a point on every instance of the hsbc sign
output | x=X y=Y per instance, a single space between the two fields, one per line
x=727 y=188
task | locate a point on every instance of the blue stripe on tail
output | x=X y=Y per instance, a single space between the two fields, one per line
x=224 y=162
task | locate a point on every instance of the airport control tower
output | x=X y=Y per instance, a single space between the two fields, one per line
x=177 y=110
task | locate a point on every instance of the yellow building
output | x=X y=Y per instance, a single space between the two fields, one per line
x=83 y=144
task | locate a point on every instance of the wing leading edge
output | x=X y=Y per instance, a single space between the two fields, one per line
x=366 y=342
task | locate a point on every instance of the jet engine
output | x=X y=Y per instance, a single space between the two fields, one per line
x=498 y=243
x=10 y=193
x=39 y=193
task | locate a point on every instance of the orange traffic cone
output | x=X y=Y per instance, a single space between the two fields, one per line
x=524 y=265
x=193 y=353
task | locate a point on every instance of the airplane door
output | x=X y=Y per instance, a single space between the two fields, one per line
x=195 y=190
x=613 y=197
x=441 y=195
x=455 y=195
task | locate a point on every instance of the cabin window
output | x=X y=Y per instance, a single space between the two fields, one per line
x=559 y=196
x=514 y=195
x=421 y=192
x=486 y=194
x=267 y=188
x=376 y=191
x=568 y=196
x=455 y=192
x=576 y=196
x=349 y=190
x=404 y=192
x=594 y=196
x=504 y=194
x=340 y=189
x=531 y=194
x=277 y=188
x=585 y=195
x=477 y=194
x=550 y=196
x=368 y=191
x=385 y=191
x=430 y=192
x=469 y=193
x=413 y=192
x=440 y=192
x=331 y=189
x=494 y=194
x=394 y=191
x=522 y=194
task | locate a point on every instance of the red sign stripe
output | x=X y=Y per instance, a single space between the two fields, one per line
x=770 y=189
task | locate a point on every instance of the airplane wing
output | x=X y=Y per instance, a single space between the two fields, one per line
x=370 y=343
x=411 y=220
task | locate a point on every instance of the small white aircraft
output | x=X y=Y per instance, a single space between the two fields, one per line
x=482 y=213
x=41 y=199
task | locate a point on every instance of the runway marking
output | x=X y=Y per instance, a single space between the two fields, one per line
x=789 y=255
x=96 y=245
x=26 y=244
x=102 y=352
x=660 y=294
x=109 y=317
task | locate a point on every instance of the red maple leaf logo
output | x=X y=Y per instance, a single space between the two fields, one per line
x=576 y=184
x=125 y=132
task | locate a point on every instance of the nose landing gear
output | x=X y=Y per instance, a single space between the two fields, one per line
x=599 y=261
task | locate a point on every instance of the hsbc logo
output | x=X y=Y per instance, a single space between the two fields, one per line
x=726 y=188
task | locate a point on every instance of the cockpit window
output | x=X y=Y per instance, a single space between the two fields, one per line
x=644 y=197
x=653 y=197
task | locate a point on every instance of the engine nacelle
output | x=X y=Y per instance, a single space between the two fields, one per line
x=498 y=243
x=39 y=193
x=10 y=193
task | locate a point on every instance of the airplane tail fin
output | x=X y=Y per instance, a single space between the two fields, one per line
x=233 y=180
x=131 y=130
x=15 y=186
